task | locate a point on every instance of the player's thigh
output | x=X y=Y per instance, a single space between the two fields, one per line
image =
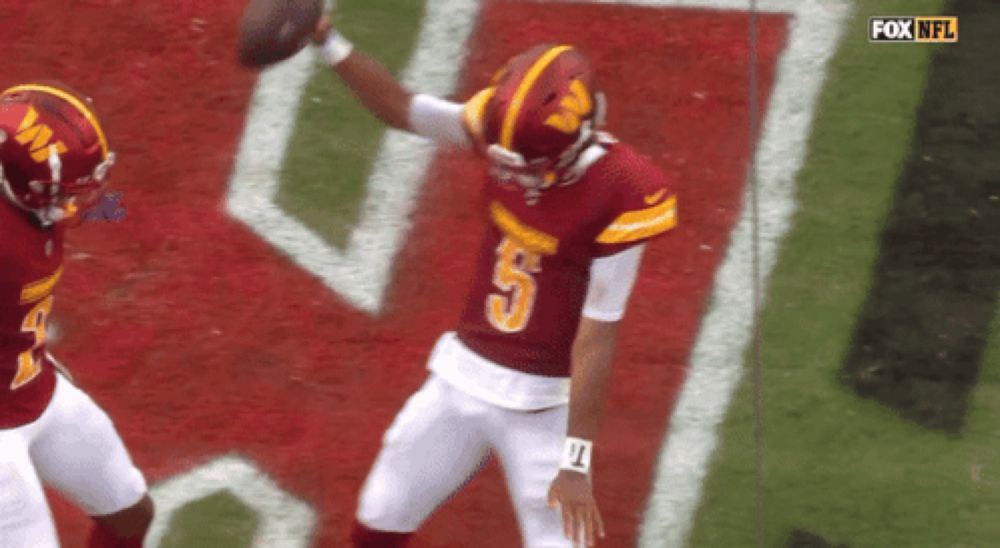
x=78 y=451
x=25 y=519
x=529 y=446
x=432 y=448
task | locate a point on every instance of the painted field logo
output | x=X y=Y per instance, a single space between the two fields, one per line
x=913 y=29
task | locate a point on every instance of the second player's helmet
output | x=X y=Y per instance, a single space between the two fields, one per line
x=538 y=115
x=54 y=156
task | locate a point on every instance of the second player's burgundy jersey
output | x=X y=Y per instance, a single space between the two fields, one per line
x=533 y=267
x=30 y=267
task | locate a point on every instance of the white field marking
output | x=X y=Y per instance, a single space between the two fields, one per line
x=284 y=521
x=361 y=272
x=717 y=358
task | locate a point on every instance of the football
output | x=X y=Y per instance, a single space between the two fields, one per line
x=274 y=30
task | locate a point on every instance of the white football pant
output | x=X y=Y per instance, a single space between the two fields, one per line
x=72 y=447
x=438 y=442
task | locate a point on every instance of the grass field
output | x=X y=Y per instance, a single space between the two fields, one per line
x=843 y=468
x=219 y=520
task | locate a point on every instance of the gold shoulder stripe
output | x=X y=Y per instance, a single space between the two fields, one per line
x=532 y=239
x=643 y=223
x=36 y=291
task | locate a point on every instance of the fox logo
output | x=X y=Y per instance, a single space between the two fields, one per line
x=913 y=29
x=576 y=106
x=38 y=135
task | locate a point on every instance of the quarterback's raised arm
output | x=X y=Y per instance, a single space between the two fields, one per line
x=385 y=96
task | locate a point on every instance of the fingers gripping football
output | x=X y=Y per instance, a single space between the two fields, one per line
x=274 y=30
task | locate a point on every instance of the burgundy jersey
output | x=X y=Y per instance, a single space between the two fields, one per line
x=534 y=263
x=31 y=259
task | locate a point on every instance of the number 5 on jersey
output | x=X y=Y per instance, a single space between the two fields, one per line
x=509 y=312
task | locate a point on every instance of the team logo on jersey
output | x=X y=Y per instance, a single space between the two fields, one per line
x=913 y=29
x=38 y=135
x=575 y=106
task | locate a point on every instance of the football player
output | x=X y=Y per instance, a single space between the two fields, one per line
x=54 y=162
x=525 y=372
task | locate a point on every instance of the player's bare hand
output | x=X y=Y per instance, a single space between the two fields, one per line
x=575 y=496
x=323 y=29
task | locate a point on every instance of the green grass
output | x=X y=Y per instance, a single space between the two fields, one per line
x=217 y=521
x=330 y=156
x=836 y=465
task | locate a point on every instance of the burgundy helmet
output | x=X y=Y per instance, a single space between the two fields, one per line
x=54 y=156
x=538 y=115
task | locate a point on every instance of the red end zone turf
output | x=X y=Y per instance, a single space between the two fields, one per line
x=201 y=340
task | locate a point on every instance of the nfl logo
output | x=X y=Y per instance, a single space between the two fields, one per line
x=913 y=29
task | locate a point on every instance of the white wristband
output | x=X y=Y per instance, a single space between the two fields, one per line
x=336 y=49
x=576 y=455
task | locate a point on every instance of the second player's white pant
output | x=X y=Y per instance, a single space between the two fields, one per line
x=73 y=447
x=438 y=442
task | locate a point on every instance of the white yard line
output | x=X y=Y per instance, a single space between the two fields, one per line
x=361 y=272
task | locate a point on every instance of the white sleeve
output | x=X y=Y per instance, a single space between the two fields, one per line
x=438 y=120
x=611 y=281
